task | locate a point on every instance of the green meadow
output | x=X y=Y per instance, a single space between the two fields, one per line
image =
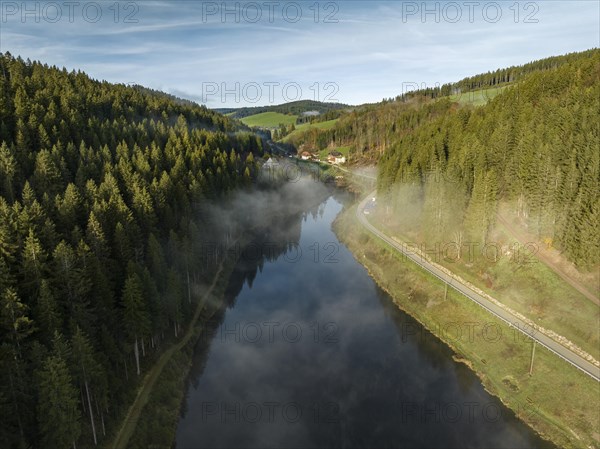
x=269 y=119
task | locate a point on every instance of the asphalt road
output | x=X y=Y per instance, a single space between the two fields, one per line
x=557 y=348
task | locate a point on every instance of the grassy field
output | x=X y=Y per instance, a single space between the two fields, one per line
x=557 y=400
x=319 y=125
x=477 y=97
x=305 y=126
x=269 y=119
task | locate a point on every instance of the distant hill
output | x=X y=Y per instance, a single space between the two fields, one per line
x=293 y=108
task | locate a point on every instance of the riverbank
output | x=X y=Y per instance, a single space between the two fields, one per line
x=152 y=419
x=554 y=401
x=161 y=393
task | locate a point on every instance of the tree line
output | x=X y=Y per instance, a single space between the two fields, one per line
x=534 y=146
x=104 y=195
x=496 y=78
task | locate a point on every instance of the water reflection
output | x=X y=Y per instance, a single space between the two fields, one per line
x=308 y=352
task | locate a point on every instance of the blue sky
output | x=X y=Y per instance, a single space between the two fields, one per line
x=225 y=55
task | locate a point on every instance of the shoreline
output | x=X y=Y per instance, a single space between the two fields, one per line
x=549 y=428
x=129 y=431
x=178 y=368
x=176 y=371
x=457 y=356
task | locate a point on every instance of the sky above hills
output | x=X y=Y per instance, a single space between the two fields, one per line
x=269 y=52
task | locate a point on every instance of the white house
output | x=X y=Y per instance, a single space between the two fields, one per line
x=335 y=157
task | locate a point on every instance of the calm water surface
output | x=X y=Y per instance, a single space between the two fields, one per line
x=311 y=353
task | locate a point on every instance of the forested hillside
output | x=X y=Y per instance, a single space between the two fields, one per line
x=534 y=146
x=103 y=189
x=498 y=77
x=291 y=108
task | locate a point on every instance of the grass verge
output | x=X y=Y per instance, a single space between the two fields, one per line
x=557 y=400
x=521 y=282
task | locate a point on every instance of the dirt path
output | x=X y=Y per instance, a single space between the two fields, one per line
x=544 y=256
x=133 y=415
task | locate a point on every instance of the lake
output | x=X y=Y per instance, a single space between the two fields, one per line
x=310 y=353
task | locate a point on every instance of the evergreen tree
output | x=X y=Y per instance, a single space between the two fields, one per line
x=58 y=415
x=135 y=318
x=481 y=212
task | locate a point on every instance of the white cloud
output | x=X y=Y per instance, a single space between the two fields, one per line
x=369 y=53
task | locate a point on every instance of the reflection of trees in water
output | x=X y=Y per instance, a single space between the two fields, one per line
x=373 y=394
x=344 y=196
x=202 y=349
x=268 y=244
x=271 y=229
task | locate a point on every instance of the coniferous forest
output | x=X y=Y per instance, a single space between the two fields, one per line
x=102 y=192
x=534 y=146
x=106 y=192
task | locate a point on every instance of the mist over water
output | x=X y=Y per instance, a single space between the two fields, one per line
x=311 y=353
